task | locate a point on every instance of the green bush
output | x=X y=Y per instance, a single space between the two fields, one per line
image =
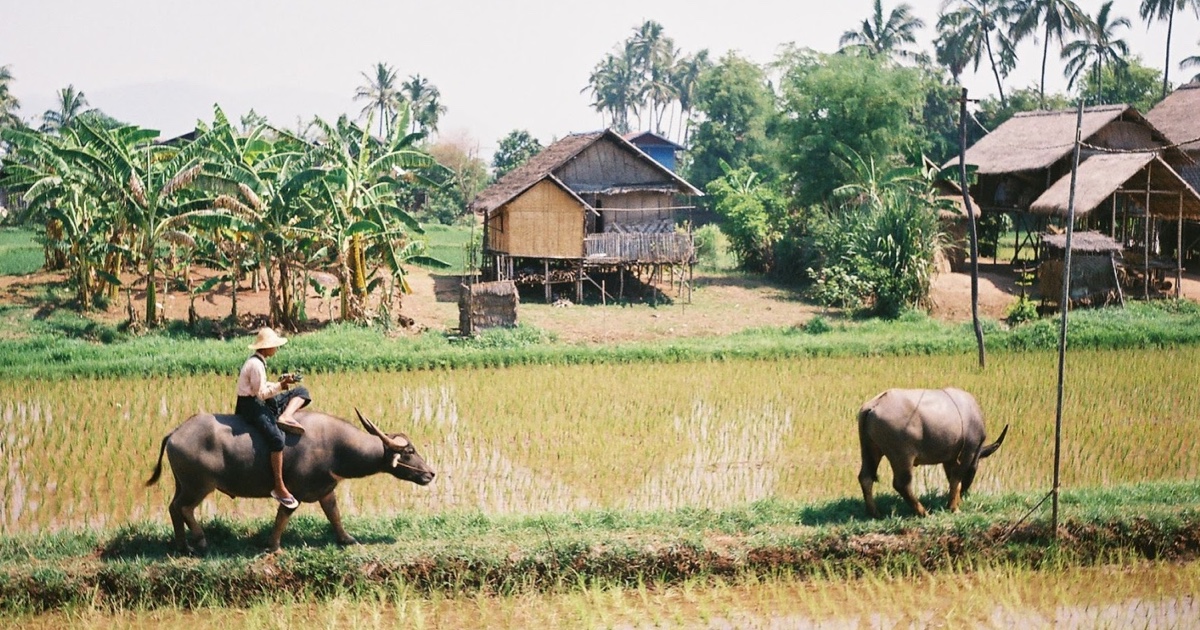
x=1021 y=311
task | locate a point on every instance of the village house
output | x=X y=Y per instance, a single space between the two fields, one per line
x=588 y=205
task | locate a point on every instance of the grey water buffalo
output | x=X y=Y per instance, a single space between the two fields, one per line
x=221 y=452
x=915 y=427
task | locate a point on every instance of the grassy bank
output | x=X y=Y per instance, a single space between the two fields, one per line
x=464 y=553
x=63 y=344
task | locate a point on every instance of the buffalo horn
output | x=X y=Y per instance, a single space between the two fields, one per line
x=374 y=430
x=991 y=448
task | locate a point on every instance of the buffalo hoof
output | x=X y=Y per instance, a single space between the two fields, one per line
x=348 y=541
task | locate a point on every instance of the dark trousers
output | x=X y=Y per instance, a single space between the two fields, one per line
x=263 y=414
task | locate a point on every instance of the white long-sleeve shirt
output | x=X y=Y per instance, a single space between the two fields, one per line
x=252 y=381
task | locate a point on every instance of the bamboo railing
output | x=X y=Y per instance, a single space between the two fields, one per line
x=670 y=247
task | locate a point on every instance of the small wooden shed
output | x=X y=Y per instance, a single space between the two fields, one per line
x=1094 y=279
x=486 y=305
x=1138 y=192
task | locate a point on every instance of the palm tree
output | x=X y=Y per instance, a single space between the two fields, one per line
x=615 y=85
x=1055 y=18
x=381 y=95
x=654 y=55
x=1100 y=41
x=965 y=33
x=879 y=37
x=686 y=77
x=1191 y=62
x=70 y=105
x=1152 y=10
x=8 y=103
x=423 y=98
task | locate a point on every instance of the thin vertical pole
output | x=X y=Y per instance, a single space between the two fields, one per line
x=962 y=180
x=1179 y=253
x=1146 y=239
x=1062 y=329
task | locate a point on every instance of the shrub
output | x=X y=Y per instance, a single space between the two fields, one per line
x=1023 y=310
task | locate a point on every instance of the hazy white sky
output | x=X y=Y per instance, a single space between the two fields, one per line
x=500 y=65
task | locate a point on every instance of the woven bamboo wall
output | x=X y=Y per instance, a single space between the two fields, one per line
x=543 y=222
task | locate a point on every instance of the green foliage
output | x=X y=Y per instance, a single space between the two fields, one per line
x=1021 y=311
x=876 y=246
x=739 y=110
x=514 y=150
x=1131 y=83
x=711 y=245
x=752 y=211
x=832 y=102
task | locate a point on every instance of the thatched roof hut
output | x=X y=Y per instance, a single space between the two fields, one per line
x=1101 y=176
x=1033 y=141
x=1178 y=116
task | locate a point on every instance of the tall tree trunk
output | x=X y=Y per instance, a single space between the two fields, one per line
x=995 y=71
x=1167 y=63
x=974 y=233
x=151 y=291
x=1045 y=54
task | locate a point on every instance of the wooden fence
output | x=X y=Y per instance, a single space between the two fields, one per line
x=669 y=247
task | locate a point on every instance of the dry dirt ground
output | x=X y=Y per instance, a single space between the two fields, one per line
x=720 y=305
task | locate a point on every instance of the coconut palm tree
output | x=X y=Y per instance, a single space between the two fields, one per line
x=966 y=28
x=8 y=103
x=423 y=99
x=1099 y=42
x=615 y=85
x=686 y=77
x=1158 y=10
x=654 y=55
x=887 y=38
x=1055 y=18
x=71 y=104
x=1191 y=62
x=381 y=94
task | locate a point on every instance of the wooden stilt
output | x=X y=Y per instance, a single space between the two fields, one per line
x=546 y=279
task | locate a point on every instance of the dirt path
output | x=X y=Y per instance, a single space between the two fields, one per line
x=720 y=305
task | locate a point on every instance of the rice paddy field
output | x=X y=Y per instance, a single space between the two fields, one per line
x=643 y=437
x=531 y=440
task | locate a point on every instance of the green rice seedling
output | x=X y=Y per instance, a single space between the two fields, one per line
x=557 y=439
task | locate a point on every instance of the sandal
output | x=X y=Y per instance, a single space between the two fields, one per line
x=290 y=426
x=288 y=502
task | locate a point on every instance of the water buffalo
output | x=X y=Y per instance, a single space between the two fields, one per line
x=915 y=427
x=220 y=452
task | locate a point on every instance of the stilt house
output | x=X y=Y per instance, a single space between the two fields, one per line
x=589 y=203
x=1178 y=116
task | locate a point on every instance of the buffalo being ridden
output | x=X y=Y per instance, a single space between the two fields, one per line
x=221 y=452
x=916 y=427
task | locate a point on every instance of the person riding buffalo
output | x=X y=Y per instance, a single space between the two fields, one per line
x=270 y=406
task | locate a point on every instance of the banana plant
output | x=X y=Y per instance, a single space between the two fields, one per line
x=153 y=183
x=359 y=194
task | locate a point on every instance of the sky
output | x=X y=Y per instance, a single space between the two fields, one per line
x=500 y=64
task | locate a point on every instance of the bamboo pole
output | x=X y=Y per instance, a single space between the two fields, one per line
x=1146 y=239
x=1062 y=330
x=1179 y=253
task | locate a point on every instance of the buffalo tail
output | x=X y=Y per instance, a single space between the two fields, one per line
x=994 y=446
x=158 y=467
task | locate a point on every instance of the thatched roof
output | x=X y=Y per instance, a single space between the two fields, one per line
x=950 y=191
x=1178 y=115
x=1102 y=175
x=552 y=158
x=1032 y=141
x=1084 y=242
